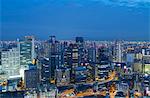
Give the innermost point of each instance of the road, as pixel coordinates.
(88, 93)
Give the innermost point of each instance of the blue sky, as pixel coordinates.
(92, 19)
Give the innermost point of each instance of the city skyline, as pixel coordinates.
(75, 48)
(93, 19)
(52, 68)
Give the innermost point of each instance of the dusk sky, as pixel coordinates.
(92, 19)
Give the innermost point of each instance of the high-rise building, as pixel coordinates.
(74, 55)
(27, 53)
(54, 55)
(117, 55)
(64, 48)
(103, 65)
(92, 62)
(71, 59)
(31, 77)
(45, 70)
(10, 61)
(92, 55)
(103, 55)
(81, 49)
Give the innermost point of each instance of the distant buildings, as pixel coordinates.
(63, 63)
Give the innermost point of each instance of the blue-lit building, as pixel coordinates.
(81, 50)
(27, 51)
(81, 74)
(45, 70)
(103, 65)
(31, 76)
(54, 55)
(92, 55)
(103, 55)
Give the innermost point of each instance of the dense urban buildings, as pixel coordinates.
(61, 68)
(74, 48)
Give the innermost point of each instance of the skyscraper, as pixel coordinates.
(10, 60)
(81, 49)
(45, 70)
(103, 55)
(26, 51)
(31, 77)
(117, 51)
(54, 55)
(92, 55)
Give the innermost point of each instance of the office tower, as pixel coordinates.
(26, 51)
(31, 77)
(117, 48)
(74, 55)
(119, 53)
(103, 55)
(63, 76)
(54, 55)
(81, 74)
(67, 56)
(10, 61)
(92, 62)
(71, 59)
(81, 49)
(130, 57)
(103, 65)
(45, 70)
(64, 47)
(92, 55)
